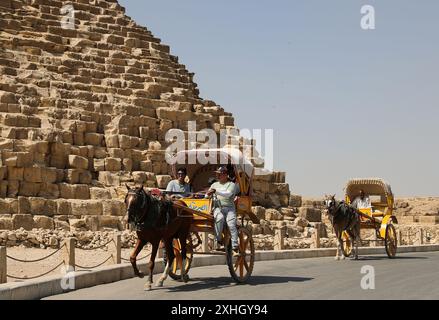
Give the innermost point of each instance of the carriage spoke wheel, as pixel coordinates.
(391, 243)
(346, 244)
(241, 267)
(176, 267)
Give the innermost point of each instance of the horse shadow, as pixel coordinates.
(225, 282)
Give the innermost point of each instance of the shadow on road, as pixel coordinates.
(374, 258)
(224, 282)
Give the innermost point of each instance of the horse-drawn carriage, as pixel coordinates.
(378, 217)
(200, 166)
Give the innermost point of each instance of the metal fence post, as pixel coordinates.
(3, 266)
(69, 254)
(117, 249)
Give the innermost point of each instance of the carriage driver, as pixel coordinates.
(225, 191)
(362, 201)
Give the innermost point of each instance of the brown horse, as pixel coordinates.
(155, 220)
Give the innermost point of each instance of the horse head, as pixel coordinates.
(330, 203)
(136, 202)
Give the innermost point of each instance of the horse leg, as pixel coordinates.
(183, 240)
(133, 257)
(170, 255)
(155, 247)
(337, 253)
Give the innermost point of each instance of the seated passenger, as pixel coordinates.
(179, 185)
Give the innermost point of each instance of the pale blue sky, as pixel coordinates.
(343, 102)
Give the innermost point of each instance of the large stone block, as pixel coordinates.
(63, 208)
(43, 222)
(259, 212)
(94, 139)
(15, 173)
(113, 164)
(310, 214)
(6, 223)
(99, 165)
(273, 214)
(77, 162)
(295, 201)
(114, 208)
(86, 208)
(24, 221)
(163, 180)
(109, 222)
(99, 194)
(29, 189)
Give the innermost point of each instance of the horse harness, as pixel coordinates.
(342, 209)
(154, 208)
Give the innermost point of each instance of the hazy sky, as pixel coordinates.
(344, 102)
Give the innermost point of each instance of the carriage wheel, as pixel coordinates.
(241, 267)
(346, 246)
(391, 242)
(175, 272)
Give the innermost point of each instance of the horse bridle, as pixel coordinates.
(139, 193)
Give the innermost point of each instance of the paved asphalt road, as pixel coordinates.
(409, 276)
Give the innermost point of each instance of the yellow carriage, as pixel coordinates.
(379, 216)
(200, 166)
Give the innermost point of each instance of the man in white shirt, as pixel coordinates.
(362, 201)
(179, 185)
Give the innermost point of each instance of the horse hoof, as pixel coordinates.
(342, 258)
(185, 279)
(337, 258)
(147, 287)
(140, 275)
(159, 284)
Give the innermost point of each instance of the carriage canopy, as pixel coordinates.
(201, 164)
(371, 187)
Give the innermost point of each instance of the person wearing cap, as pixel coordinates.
(226, 212)
(179, 185)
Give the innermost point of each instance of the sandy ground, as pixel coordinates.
(83, 258)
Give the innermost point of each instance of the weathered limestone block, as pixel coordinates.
(310, 214)
(48, 175)
(295, 201)
(77, 162)
(16, 174)
(273, 214)
(24, 221)
(139, 177)
(49, 191)
(112, 141)
(76, 191)
(6, 223)
(259, 212)
(109, 179)
(86, 208)
(63, 207)
(113, 164)
(43, 222)
(114, 208)
(127, 164)
(99, 164)
(99, 194)
(94, 139)
(5, 206)
(85, 177)
(29, 189)
(110, 222)
(72, 175)
(163, 180)
(146, 165)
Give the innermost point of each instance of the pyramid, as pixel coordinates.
(84, 109)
